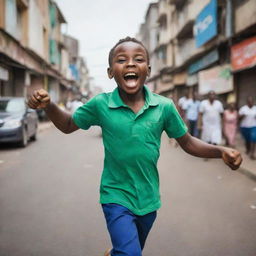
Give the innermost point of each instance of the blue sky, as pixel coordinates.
(98, 25)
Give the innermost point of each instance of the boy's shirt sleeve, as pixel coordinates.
(87, 115)
(174, 125)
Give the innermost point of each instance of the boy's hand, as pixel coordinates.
(39, 99)
(232, 158)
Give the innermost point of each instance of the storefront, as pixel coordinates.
(243, 61)
(218, 79)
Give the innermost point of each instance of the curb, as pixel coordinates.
(248, 173)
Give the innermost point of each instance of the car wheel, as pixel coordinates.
(24, 141)
(34, 136)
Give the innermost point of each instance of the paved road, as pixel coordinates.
(49, 194)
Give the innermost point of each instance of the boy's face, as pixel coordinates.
(129, 67)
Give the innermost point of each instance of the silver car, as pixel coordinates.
(18, 123)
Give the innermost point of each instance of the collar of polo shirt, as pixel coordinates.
(115, 100)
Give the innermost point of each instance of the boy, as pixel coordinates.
(132, 121)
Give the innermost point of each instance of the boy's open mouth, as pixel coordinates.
(131, 79)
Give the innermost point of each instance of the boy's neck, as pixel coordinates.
(132, 99)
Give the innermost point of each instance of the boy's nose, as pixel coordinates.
(130, 63)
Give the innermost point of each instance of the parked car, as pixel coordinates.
(18, 123)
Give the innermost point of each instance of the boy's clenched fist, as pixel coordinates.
(232, 158)
(39, 99)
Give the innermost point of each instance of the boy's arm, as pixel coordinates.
(61, 119)
(196, 147)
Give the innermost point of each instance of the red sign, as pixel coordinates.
(243, 55)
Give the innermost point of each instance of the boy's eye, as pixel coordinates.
(139, 59)
(120, 60)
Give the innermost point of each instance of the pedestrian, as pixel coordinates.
(182, 104)
(247, 115)
(210, 118)
(132, 120)
(192, 110)
(73, 105)
(230, 120)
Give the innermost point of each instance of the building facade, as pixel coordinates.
(32, 50)
(199, 46)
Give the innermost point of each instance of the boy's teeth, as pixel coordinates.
(130, 74)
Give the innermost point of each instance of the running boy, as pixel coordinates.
(132, 121)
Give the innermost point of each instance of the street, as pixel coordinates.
(49, 202)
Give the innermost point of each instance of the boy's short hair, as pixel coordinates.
(126, 39)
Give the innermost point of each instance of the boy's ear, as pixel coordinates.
(110, 73)
(149, 70)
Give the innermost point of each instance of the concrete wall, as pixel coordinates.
(152, 27)
(11, 18)
(245, 15)
(36, 25)
(184, 50)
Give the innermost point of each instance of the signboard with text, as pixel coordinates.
(218, 79)
(206, 24)
(243, 55)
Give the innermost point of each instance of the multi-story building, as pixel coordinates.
(78, 70)
(32, 50)
(205, 45)
(243, 49)
(148, 35)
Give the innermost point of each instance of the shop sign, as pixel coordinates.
(218, 79)
(243, 55)
(4, 74)
(205, 27)
(204, 62)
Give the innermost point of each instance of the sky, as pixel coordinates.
(98, 25)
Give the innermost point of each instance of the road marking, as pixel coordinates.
(1, 161)
(254, 189)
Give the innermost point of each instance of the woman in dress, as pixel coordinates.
(230, 120)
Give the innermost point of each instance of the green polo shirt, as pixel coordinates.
(131, 141)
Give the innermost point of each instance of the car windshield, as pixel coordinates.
(12, 105)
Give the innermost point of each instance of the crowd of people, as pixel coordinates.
(209, 120)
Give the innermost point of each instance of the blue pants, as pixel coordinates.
(128, 232)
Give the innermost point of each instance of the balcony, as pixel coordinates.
(164, 37)
(185, 50)
(162, 11)
(178, 3)
(242, 21)
(22, 4)
(185, 18)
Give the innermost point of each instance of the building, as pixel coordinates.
(243, 49)
(33, 54)
(78, 70)
(198, 47)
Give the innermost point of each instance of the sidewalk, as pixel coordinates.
(248, 166)
(44, 125)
